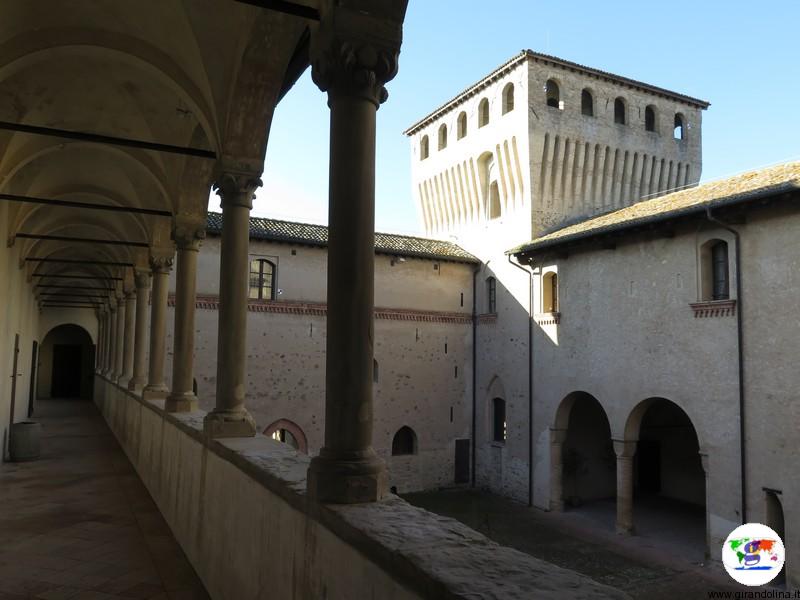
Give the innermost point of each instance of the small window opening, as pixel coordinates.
(550, 292)
(619, 111)
(491, 295)
(650, 118)
(404, 442)
(719, 262)
(442, 137)
(483, 113)
(286, 437)
(552, 94)
(424, 148)
(461, 126)
(462, 298)
(508, 98)
(587, 103)
(499, 420)
(678, 132)
(375, 371)
(451, 414)
(455, 372)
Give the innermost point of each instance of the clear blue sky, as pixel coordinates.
(742, 56)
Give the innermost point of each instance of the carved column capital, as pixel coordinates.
(237, 188)
(188, 232)
(160, 263)
(141, 278)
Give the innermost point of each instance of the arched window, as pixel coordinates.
(650, 118)
(678, 132)
(461, 127)
(483, 113)
(587, 103)
(424, 148)
(262, 279)
(508, 98)
(404, 442)
(491, 295)
(719, 269)
(550, 292)
(499, 420)
(552, 94)
(288, 432)
(442, 137)
(619, 111)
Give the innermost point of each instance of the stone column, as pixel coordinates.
(156, 387)
(139, 379)
(119, 340)
(625, 450)
(108, 365)
(230, 417)
(187, 237)
(353, 70)
(127, 344)
(557, 439)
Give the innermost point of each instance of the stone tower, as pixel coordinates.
(541, 142)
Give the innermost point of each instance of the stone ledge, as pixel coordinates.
(714, 308)
(436, 557)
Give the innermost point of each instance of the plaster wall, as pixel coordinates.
(19, 315)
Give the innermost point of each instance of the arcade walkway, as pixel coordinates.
(78, 523)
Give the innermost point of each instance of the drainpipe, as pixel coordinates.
(530, 377)
(738, 262)
(474, 372)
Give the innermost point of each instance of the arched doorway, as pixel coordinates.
(66, 363)
(668, 480)
(582, 455)
(287, 432)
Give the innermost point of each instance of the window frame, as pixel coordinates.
(261, 260)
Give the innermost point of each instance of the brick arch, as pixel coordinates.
(292, 428)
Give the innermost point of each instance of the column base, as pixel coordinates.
(337, 479)
(181, 402)
(155, 392)
(136, 385)
(123, 381)
(626, 530)
(229, 424)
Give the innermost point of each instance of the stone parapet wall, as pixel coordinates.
(239, 509)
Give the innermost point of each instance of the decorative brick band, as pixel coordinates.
(714, 308)
(321, 310)
(548, 318)
(487, 318)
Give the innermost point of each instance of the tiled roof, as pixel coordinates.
(724, 192)
(538, 56)
(317, 235)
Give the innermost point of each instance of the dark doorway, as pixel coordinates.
(32, 387)
(67, 360)
(462, 461)
(648, 465)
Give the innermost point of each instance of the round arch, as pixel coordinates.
(66, 363)
(281, 427)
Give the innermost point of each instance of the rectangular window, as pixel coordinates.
(491, 291)
(262, 279)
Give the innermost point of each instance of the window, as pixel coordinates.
(552, 94)
(587, 103)
(619, 111)
(404, 442)
(262, 279)
(285, 436)
(442, 137)
(550, 292)
(499, 420)
(508, 98)
(483, 113)
(650, 118)
(678, 132)
(424, 148)
(461, 127)
(719, 270)
(491, 295)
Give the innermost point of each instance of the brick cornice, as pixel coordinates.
(714, 308)
(319, 309)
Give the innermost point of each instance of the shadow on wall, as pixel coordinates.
(66, 364)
